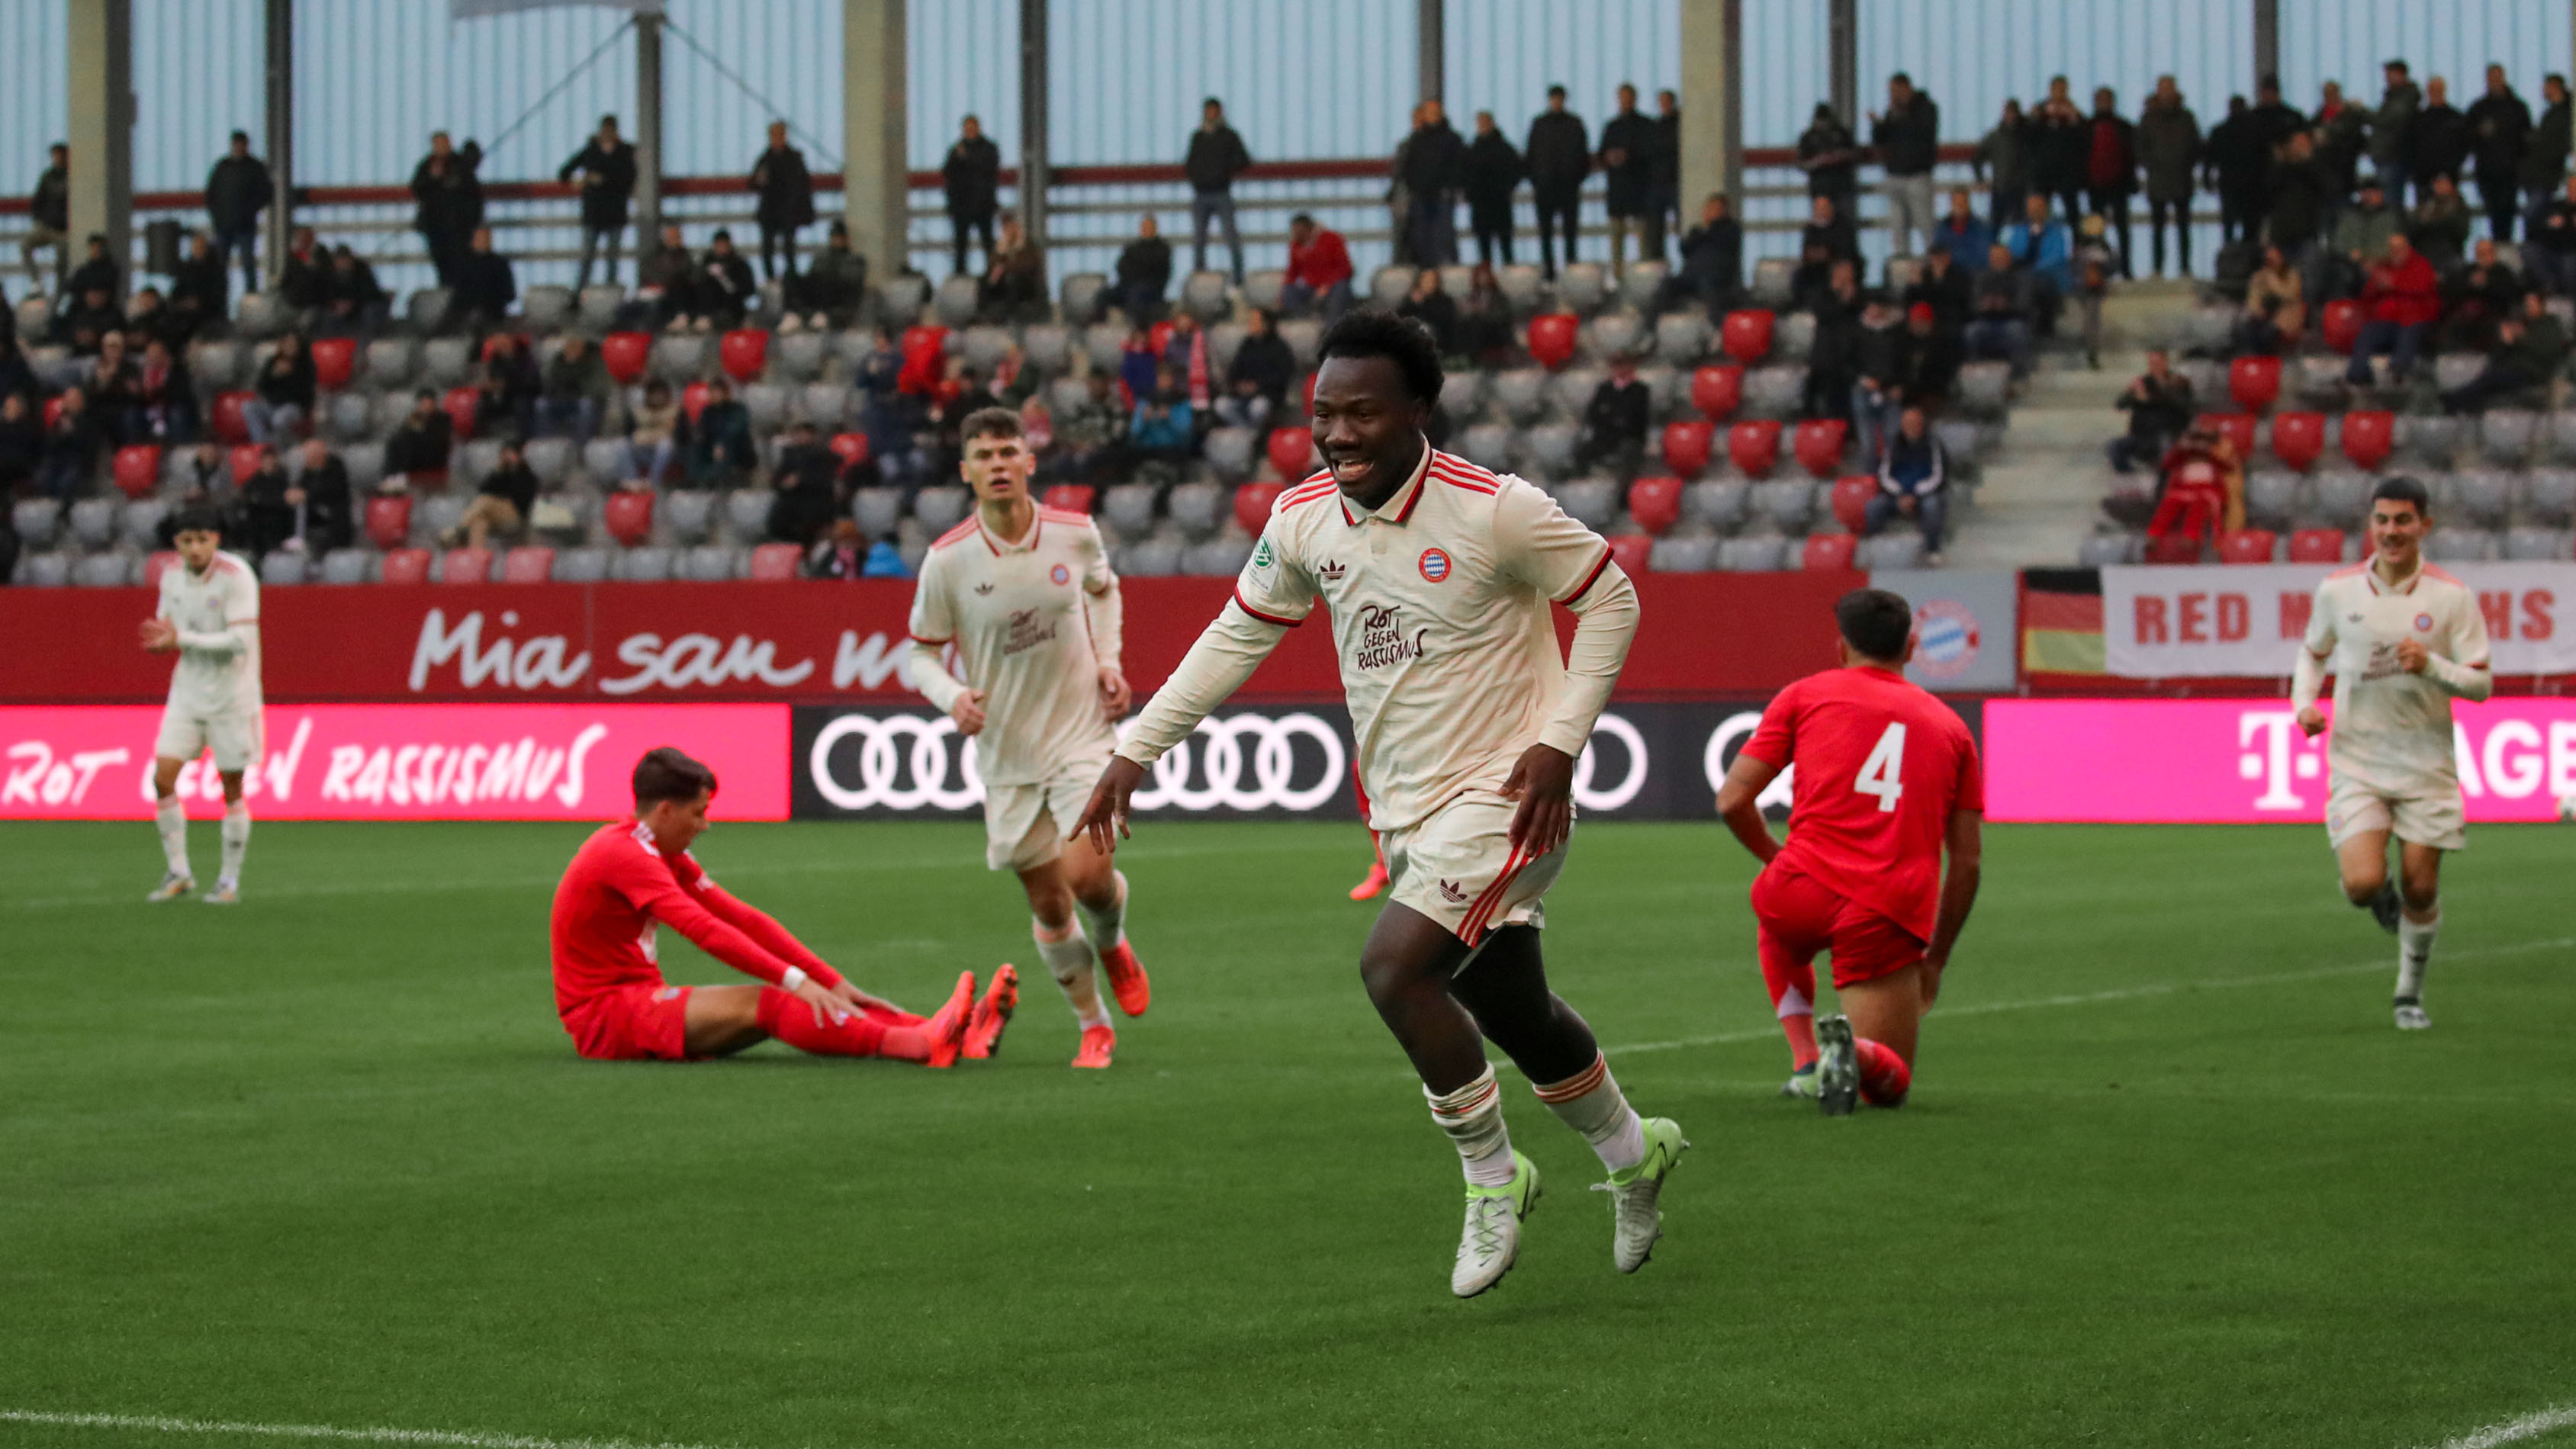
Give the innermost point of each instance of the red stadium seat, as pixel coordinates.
(693, 401)
(1687, 446)
(532, 564)
(2237, 428)
(1069, 497)
(1634, 553)
(850, 448)
(1716, 390)
(629, 515)
(744, 353)
(407, 566)
(1746, 335)
(1252, 504)
(2173, 548)
(1828, 551)
(1292, 452)
(335, 361)
(2298, 438)
(2254, 382)
(925, 359)
(2342, 324)
(157, 565)
(467, 566)
(2368, 437)
(459, 406)
(625, 353)
(1851, 500)
(1551, 339)
(138, 469)
(226, 420)
(1656, 503)
(1820, 445)
(388, 520)
(2317, 546)
(2246, 546)
(243, 460)
(1754, 447)
(776, 563)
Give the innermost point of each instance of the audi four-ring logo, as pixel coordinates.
(1233, 762)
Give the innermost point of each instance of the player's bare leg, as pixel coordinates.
(1883, 1017)
(722, 1020)
(171, 815)
(2362, 861)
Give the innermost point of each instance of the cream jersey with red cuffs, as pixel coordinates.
(217, 616)
(1440, 602)
(1034, 621)
(2392, 727)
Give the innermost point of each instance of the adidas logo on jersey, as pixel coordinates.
(1450, 890)
(1332, 571)
(983, 588)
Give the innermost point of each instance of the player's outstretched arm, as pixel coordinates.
(1228, 650)
(1739, 804)
(1967, 844)
(1104, 820)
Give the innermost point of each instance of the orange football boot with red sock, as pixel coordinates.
(1098, 1044)
(1127, 980)
(947, 1025)
(984, 1026)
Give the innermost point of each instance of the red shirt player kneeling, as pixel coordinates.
(638, 872)
(1887, 776)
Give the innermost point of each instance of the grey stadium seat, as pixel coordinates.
(2549, 496)
(2339, 499)
(1771, 279)
(1752, 555)
(1224, 339)
(349, 416)
(1642, 282)
(877, 510)
(602, 459)
(2539, 545)
(43, 571)
(596, 307)
(1611, 334)
(1128, 508)
(1588, 501)
(427, 308)
(2318, 379)
(220, 366)
(747, 512)
(260, 314)
(1571, 391)
(2562, 436)
(798, 356)
(1218, 558)
(688, 513)
(1388, 286)
(711, 563)
(2112, 548)
(2480, 497)
(1151, 558)
(1065, 394)
(35, 318)
(1721, 503)
(1231, 452)
(547, 307)
(581, 565)
(1985, 386)
(942, 508)
(1457, 279)
(1082, 296)
(680, 358)
(143, 521)
(1794, 337)
(824, 404)
(281, 569)
(1305, 339)
(2431, 439)
(1581, 287)
(436, 513)
(1788, 502)
(93, 521)
(1892, 550)
(1521, 392)
(1461, 393)
(390, 410)
(476, 459)
(1683, 555)
(444, 360)
(1487, 445)
(1773, 392)
(2272, 499)
(35, 520)
(1670, 389)
(2505, 434)
(1203, 295)
(1049, 348)
(2462, 545)
(349, 566)
(549, 458)
(900, 300)
(646, 565)
(1199, 508)
(954, 302)
(1520, 284)
(2457, 369)
(1263, 288)
(1106, 344)
(1681, 338)
(1548, 449)
(767, 404)
(985, 347)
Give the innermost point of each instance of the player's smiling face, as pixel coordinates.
(197, 548)
(1368, 427)
(997, 468)
(2397, 533)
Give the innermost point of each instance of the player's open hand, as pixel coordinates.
(856, 1000)
(968, 711)
(2412, 656)
(2312, 721)
(1115, 696)
(1543, 781)
(828, 1007)
(1108, 808)
(160, 635)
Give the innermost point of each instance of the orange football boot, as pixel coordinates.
(1097, 1044)
(1127, 979)
(1373, 884)
(948, 1024)
(984, 1026)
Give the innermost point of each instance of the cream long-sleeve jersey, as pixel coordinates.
(217, 615)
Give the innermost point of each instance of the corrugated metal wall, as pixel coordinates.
(35, 89)
(2348, 40)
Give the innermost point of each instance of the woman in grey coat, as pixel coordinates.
(2003, 160)
(2169, 150)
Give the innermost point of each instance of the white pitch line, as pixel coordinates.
(158, 1424)
(2514, 1431)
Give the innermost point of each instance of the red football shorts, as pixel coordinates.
(632, 1023)
(1799, 916)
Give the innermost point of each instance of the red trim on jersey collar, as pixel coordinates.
(2370, 571)
(1403, 499)
(1037, 525)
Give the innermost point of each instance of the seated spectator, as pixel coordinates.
(1319, 271)
(417, 453)
(1882, 356)
(722, 292)
(841, 553)
(201, 290)
(502, 505)
(831, 289)
(1826, 241)
(1162, 428)
(1484, 321)
(1962, 236)
(2358, 242)
(665, 285)
(2202, 490)
(1144, 273)
(1712, 271)
(97, 272)
(2531, 345)
(807, 488)
(1935, 357)
(1433, 307)
(1948, 288)
(2439, 224)
(2275, 314)
(22, 441)
(165, 398)
(575, 393)
(2041, 247)
(652, 438)
(2550, 254)
(16, 376)
(267, 516)
(92, 316)
(2159, 405)
(1833, 361)
(281, 398)
(356, 304)
(325, 516)
(1913, 483)
(720, 449)
(1137, 364)
(112, 387)
(2000, 326)
(1014, 286)
(502, 407)
(1615, 422)
(2404, 298)
(485, 288)
(147, 317)
(304, 283)
(891, 417)
(2479, 298)
(1256, 382)
(1089, 436)
(1185, 352)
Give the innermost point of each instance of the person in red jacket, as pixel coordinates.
(1319, 269)
(635, 875)
(2405, 300)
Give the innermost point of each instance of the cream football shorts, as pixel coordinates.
(233, 735)
(2429, 815)
(1458, 866)
(1024, 825)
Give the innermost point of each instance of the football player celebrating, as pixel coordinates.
(208, 615)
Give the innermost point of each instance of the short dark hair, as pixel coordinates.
(196, 518)
(1875, 622)
(2404, 488)
(1303, 218)
(1900, 78)
(1556, 90)
(666, 774)
(1370, 332)
(990, 423)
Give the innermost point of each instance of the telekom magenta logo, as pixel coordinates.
(2277, 754)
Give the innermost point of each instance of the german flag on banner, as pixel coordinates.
(2061, 622)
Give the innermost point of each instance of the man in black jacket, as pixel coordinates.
(237, 191)
(1615, 422)
(2159, 405)
(2437, 144)
(2499, 127)
(200, 291)
(1628, 159)
(416, 454)
(1434, 164)
(268, 518)
(2544, 156)
(1491, 173)
(606, 167)
(304, 281)
(49, 216)
(326, 516)
(1666, 201)
(724, 290)
(786, 191)
(807, 483)
(1908, 141)
(1145, 274)
(1215, 158)
(484, 285)
(1712, 262)
(1256, 381)
(2240, 163)
(449, 202)
(972, 177)
(1559, 156)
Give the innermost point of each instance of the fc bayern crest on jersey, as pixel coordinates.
(1435, 565)
(2423, 623)
(1060, 574)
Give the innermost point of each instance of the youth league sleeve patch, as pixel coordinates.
(1262, 558)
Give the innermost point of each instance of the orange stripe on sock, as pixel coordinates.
(1587, 1080)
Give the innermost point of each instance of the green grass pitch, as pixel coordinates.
(2169, 1177)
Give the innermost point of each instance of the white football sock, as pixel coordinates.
(1473, 1118)
(2414, 953)
(1591, 1103)
(1068, 958)
(1106, 927)
(172, 817)
(236, 842)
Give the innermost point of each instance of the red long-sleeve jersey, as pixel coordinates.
(620, 886)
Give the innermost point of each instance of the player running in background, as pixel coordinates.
(1026, 595)
(1887, 776)
(638, 872)
(2402, 639)
(208, 616)
(1438, 577)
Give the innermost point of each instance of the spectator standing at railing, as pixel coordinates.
(2237, 161)
(1960, 236)
(1399, 194)
(2438, 143)
(448, 199)
(2061, 149)
(1434, 166)
(49, 217)
(1830, 155)
(2342, 130)
(2003, 163)
(2544, 154)
(972, 178)
(2392, 131)
(786, 192)
(200, 291)
(2169, 151)
(1319, 270)
(1667, 198)
(1489, 175)
(484, 285)
(238, 189)
(2111, 167)
(1216, 156)
(606, 166)
(2499, 128)
(2300, 186)
(1908, 141)
(1628, 142)
(1559, 157)
(1145, 272)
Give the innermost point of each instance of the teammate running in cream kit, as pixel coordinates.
(1440, 579)
(208, 616)
(2402, 639)
(1026, 596)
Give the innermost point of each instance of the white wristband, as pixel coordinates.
(794, 978)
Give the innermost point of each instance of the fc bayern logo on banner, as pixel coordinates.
(1945, 638)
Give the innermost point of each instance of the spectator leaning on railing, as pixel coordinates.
(1628, 159)
(786, 192)
(1908, 141)
(449, 199)
(606, 166)
(1490, 173)
(238, 189)
(1216, 156)
(1830, 155)
(49, 217)
(2437, 144)
(2111, 168)
(1434, 167)
(2003, 163)
(2061, 148)
(2392, 128)
(2544, 151)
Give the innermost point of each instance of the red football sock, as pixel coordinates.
(854, 1034)
(1793, 996)
(892, 1016)
(1884, 1077)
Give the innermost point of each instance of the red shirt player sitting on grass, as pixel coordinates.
(1886, 777)
(637, 872)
